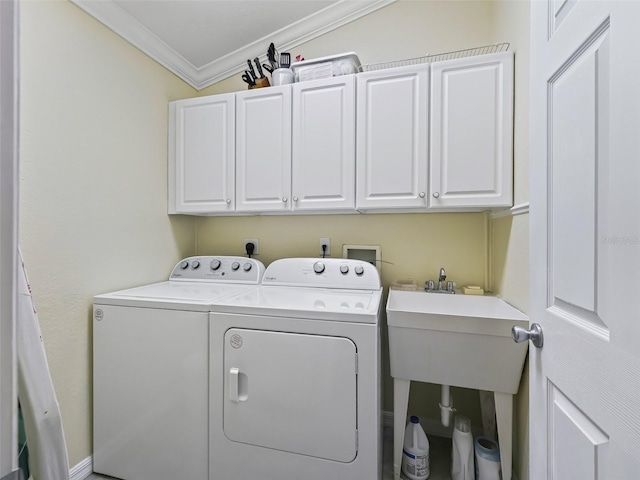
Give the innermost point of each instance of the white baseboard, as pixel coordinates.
(82, 470)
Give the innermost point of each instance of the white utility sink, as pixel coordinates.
(458, 340)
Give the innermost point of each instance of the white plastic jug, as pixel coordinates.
(487, 459)
(462, 467)
(415, 452)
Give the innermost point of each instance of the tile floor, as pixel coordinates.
(439, 454)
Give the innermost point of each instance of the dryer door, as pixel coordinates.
(291, 392)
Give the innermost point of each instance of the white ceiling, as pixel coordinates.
(205, 41)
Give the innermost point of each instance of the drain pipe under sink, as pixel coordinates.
(446, 405)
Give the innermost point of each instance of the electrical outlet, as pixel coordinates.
(327, 251)
(256, 250)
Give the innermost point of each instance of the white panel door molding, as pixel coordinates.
(9, 124)
(324, 144)
(263, 150)
(585, 240)
(471, 141)
(202, 155)
(392, 137)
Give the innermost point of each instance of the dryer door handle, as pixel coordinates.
(234, 384)
(238, 385)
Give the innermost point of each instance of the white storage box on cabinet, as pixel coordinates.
(324, 132)
(471, 132)
(263, 150)
(202, 155)
(392, 131)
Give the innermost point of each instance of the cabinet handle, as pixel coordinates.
(295, 199)
(421, 195)
(436, 194)
(284, 199)
(228, 201)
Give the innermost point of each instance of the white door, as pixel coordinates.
(263, 150)
(8, 235)
(291, 392)
(202, 155)
(471, 140)
(585, 240)
(324, 145)
(392, 131)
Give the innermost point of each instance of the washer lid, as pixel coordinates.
(174, 295)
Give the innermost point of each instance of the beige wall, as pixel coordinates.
(405, 29)
(93, 185)
(510, 235)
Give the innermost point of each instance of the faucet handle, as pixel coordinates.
(430, 285)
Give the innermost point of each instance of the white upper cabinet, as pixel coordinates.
(323, 145)
(471, 132)
(263, 150)
(417, 138)
(392, 135)
(202, 155)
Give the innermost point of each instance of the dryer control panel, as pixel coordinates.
(219, 269)
(336, 273)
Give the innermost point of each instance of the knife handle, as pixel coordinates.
(259, 67)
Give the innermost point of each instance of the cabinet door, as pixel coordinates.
(392, 138)
(471, 132)
(323, 144)
(263, 150)
(202, 155)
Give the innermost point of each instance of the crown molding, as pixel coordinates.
(310, 27)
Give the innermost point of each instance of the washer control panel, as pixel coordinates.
(337, 273)
(219, 269)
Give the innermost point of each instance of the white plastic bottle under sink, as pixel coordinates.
(462, 453)
(415, 451)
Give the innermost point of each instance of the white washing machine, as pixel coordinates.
(151, 370)
(295, 375)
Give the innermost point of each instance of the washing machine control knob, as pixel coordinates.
(359, 270)
(318, 267)
(195, 264)
(184, 264)
(246, 267)
(215, 264)
(235, 266)
(344, 269)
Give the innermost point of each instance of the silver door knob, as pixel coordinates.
(421, 194)
(520, 335)
(285, 199)
(228, 201)
(436, 194)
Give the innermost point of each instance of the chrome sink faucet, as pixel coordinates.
(442, 287)
(441, 278)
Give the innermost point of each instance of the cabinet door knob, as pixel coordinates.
(421, 195)
(295, 199)
(284, 199)
(436, 194)
(228, 201)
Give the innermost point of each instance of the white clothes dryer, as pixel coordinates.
(295, 375)
(151, 370)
